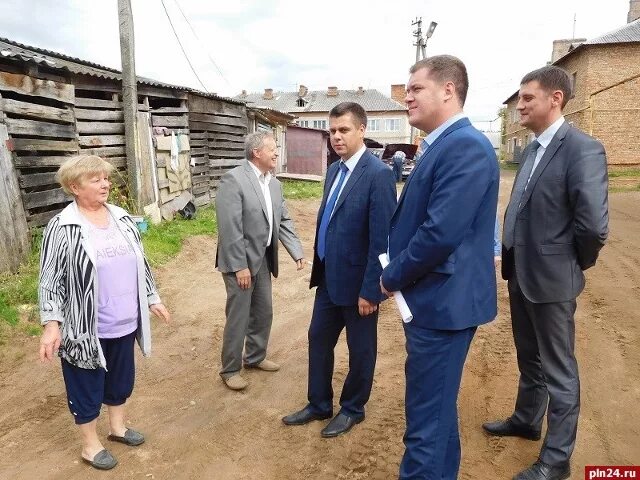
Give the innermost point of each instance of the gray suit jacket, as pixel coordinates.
(562, 220)
(243, 225)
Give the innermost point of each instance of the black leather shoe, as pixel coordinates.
(340, 424)
(507, 428)
(303, 417)
(543, 471)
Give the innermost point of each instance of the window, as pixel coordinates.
(373, 125)
(392, 125)
(301, 102)
(302, 123)
(320, 124)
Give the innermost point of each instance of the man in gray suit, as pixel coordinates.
(554, 227)
(252, 217)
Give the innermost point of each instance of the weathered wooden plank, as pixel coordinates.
(200, 189)
(37, 179)
(198, 136)
(164, 183)
(169, 121)
(224, 163)
(202, 200)
(39, 161)
(198, 151)
(216, 153)
(95, 103)
(105, 151)
(169, 110)
(147, 190)
(198, 143)
(213, 127)
(226, 145)
(20, 126)
(99, 115)
(199, 169)
(117, 161)
(40, 219)
(96, 128)
(218, 119)
(161, 92)
(198, 103)
(36, 87)
(221, 137)
(101, 140)
(35, 111)
(28, 144)
(48, 197)
(14, 234)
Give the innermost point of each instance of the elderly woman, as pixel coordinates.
(95, 290)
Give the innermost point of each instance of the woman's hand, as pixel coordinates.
(50, 341)
(160, 311)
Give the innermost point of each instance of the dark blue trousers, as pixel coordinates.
(435, 359)
(327, 321)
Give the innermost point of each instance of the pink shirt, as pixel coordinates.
(118, 305)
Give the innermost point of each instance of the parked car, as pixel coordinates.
(410, 152)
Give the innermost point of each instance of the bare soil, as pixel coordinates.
(198, 429)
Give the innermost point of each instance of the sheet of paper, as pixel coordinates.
(406, 314)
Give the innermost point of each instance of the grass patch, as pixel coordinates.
(624, 189)
(297, 189)
(19, 291)
(163, 241)
(509, 166)
(624, 172)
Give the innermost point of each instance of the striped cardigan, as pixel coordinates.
(68, 286)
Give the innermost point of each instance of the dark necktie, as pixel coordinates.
(328, 210)
(508, 231)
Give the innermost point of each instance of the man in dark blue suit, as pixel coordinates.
(352, 229)
(441, 252)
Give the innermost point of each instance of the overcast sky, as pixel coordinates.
(280, 44)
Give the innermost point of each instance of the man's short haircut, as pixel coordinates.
(551, 78)
(446, 68)
(255, 141)
(353, 108)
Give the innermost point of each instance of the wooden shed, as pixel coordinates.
(53, 106)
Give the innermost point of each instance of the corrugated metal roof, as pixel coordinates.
(319, 101)
(40, 56)
(629, 33)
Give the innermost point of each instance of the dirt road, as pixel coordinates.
(197, 429)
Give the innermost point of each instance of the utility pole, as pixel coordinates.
(129, 99)
(421, 50)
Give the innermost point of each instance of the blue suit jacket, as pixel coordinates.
(441, 237)
(357, 232)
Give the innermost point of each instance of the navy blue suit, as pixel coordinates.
(356, 234)
(441, 251)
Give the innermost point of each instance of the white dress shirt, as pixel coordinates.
(263, 181)
(351, 165)
(544, 139)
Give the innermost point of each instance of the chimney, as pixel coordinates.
(268, 94)
(398, 92)
(302, 91)
(243, 94)
(332, 92)
(562, 47)
(634, 11)
(360, 91)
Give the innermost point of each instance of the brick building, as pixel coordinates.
(388, 118)
(606, 98)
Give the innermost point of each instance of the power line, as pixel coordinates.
(201, 43)
(181, 47)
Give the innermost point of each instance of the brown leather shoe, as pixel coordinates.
(236, 382)
(266, 365)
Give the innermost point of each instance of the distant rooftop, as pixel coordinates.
(321, 100)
